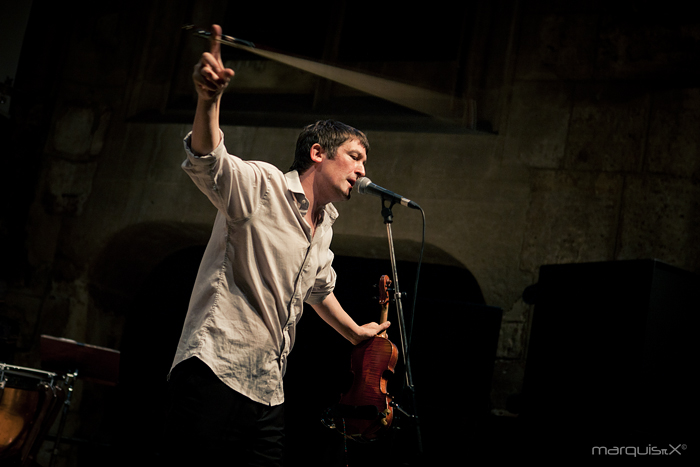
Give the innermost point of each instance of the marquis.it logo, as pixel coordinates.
(639, 451)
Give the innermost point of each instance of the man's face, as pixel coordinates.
(341, 173)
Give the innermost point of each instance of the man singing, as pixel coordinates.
(267, 255)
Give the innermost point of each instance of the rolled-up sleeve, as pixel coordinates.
(324, 285)
(234, 186)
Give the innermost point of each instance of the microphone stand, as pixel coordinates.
(388, 219)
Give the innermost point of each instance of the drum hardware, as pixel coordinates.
(66, 356)
(31, 399)
(73, 359)
(7, 370)
(29, 403)
(70, 383)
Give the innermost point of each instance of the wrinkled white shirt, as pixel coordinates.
(260, 266)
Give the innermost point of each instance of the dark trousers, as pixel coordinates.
(208, 423)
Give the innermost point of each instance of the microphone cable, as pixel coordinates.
(415, 284)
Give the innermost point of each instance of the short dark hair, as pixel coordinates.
(330, 134)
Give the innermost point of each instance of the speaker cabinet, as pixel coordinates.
(611, 355)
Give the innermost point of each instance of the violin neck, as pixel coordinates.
(383, 316)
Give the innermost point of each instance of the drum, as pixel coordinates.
(29, 402)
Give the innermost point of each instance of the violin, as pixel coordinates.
(366, 407)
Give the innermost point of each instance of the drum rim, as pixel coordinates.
(21, 371)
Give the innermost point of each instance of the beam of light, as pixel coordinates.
(435, 104)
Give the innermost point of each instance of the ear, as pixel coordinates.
(317, 153)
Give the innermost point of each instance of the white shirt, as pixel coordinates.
(261, 264)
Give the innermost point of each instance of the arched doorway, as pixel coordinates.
(145, 273)
(151, 332)
(454, 337)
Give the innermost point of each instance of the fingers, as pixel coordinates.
(210, 76)
(213, 70)
(215, 45)
(378, 329)
(214, 55)
(382, 329)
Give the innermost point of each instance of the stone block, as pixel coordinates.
(673, 146)
(573, 217)
(608, 128)
(557, 46)
(661, 220)
(538, 123)
(80, 131)
(647, 42)
(511, 341)
(68, 186)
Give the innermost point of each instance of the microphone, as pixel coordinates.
(366, 187)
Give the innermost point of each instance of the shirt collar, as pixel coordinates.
(294, 185)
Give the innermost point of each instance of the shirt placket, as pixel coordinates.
(296, 303)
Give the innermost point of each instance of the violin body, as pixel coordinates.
(372, 362)
(366, 405)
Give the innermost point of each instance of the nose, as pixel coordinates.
(360, 169)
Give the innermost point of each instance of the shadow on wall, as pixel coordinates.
(133, 254)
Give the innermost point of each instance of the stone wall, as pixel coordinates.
(593, 155)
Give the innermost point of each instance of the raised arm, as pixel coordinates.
(333, 314)
(210, 79)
